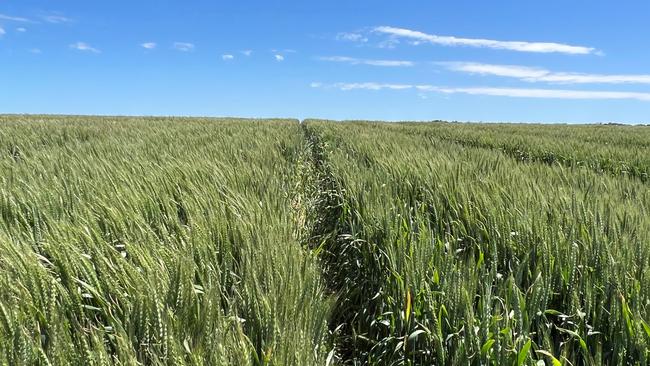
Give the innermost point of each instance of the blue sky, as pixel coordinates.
(528, 61)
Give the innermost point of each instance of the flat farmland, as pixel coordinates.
(214, 241)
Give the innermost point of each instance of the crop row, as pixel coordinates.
(268, 242)
(616, 150)
(158, 241)
(467, 255)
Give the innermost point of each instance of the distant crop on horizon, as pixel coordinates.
(227, 241)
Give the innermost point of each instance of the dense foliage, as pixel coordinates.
(163, 241)
(462, 253)
(267, 242)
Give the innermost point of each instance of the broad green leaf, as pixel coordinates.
(415, 334)
(523, 354)
(486, 347)
(555, 361)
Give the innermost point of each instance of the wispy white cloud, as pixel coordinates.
(149, 45)
(227, 57)
(56, 19)
(21, 29)
(360, 61)
(286, 50)
(247, 52)
(546, 93)
(490, 91)
(2, 32)
(278, 57)
(362, 86)
(535, 74)
(82, 46)
(183, 46)
(352, 37)
(417, 37)
(14, 19)
(35, 51)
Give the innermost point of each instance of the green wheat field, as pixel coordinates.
(205, 241)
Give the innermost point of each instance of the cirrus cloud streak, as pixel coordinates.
(493, 91)
(14, 19)
(360, 61)
(535, 74)
(418, 37)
